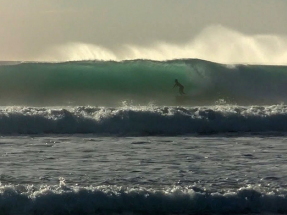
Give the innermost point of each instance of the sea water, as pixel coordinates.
(115, 138)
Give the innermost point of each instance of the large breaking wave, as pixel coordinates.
(143, 120)
(140, 82)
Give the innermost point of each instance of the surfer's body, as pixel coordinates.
(181, 87)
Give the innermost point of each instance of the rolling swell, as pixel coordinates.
(143, 120)
(108, 83)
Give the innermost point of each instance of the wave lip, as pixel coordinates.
(143, 120)
(63, 199)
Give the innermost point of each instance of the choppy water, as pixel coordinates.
(87, 174)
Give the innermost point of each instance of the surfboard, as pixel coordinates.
(182, 98)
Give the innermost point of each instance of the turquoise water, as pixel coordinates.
(140, 82)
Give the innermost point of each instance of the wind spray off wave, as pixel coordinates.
(214, 43)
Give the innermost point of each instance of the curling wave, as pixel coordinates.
(108, 83)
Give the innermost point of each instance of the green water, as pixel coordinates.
(139, 81)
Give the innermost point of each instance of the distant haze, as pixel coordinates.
(226, 31)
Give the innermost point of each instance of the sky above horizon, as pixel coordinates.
(79, 30)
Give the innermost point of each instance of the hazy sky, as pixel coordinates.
(31, 28)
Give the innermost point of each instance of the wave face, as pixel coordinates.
(76, 200)
(145, 120)
(108, 83)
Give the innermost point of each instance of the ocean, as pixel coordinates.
(116, 137)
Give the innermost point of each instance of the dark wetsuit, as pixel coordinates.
(177, 84)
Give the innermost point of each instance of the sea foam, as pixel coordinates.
(63, 199)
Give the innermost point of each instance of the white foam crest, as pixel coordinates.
(118, 200)
(140, 120)
(214, 43)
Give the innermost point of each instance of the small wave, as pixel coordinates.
(74, 200)
(143, 120)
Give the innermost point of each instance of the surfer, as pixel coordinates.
(181, 87)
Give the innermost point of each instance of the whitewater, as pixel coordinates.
(115, 137)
